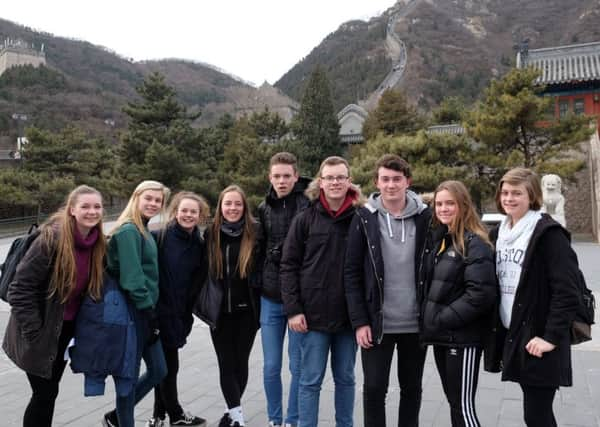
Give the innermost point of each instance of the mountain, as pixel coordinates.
(87, 85)
(453, 47)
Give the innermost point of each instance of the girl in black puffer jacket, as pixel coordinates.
(460, 291)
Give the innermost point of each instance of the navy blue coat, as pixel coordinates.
(106, 341)
(182, 268)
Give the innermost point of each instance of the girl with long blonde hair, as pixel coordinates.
(132, 259)
(62, 265)
(457, 273)
(231, 302)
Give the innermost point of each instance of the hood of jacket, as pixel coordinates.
(313, 193)
(414, 205)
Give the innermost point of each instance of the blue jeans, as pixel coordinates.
(315, 352)
(156, 370)
(273, 324)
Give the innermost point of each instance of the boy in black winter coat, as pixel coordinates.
(384, 245)
(313, 291)
(283, 201)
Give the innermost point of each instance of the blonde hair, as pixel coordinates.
(64, 274)
(215, 259)
(132, 213)
(526, 177)
(466, 218)
(179, 197)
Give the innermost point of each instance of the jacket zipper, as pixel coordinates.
(420, 281)
(379, 338)
(228, 277)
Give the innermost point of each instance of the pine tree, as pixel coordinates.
(513, 130)
(433, 159)
(159, 136)
(450, 110)
(316, 126)
(393, 116)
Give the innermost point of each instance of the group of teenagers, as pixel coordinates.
(320, 262)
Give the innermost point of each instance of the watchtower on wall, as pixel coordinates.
(18, 52)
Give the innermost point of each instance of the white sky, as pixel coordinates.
(255, 40)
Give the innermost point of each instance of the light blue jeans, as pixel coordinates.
(315, 352)
(273, 324)
(156, 370)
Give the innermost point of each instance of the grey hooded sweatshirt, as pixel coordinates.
(398, 242)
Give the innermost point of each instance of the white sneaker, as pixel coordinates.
(272, 424)
(155, 422)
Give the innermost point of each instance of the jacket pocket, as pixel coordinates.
(115, 308)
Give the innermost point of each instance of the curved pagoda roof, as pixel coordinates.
(563, 64)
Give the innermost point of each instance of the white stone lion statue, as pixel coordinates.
(554, 201)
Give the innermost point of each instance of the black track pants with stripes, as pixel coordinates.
(459, 371)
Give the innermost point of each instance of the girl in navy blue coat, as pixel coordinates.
(182, 265)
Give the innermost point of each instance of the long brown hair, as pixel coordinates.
(466, 218)
(61, 225)
(215, 259)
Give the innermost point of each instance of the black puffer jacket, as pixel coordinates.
(312, 268)
(35, 323)
(545, 304)
(276, 216)
(460, 292)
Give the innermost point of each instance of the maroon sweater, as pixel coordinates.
(83, 255)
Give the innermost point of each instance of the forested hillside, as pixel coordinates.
(453, 47)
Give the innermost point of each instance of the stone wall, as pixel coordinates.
(11, 57)
(594, 178)
(578, 199)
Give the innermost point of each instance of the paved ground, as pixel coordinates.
(499, 404)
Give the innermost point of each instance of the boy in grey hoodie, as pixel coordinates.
(380, 276)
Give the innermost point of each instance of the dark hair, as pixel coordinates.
(284, 158)
(532, 184)
(393, 162)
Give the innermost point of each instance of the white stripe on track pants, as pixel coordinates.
(459, 372)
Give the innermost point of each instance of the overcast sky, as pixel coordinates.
(255, 40)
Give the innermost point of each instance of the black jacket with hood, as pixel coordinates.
(545, 304)
(275, 215)
(364, 269)
(312, 268)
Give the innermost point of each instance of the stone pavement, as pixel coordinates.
(498, 404)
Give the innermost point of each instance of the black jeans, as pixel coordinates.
(377, 362)
(537, 406)
(233, 340)
(166, 399)
(40, 410)
(459, 372)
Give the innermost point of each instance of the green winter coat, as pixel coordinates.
(132, 258)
